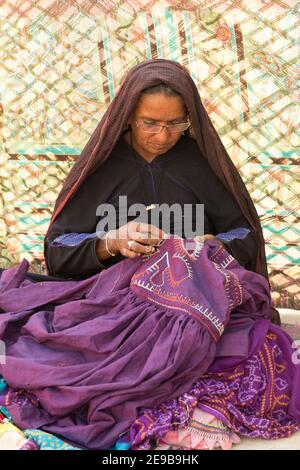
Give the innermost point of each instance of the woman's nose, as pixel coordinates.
(163, 135)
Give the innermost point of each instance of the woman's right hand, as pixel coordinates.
(142, 239)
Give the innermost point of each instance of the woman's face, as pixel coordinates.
(156, 109)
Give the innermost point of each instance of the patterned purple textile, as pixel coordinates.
(259, 397)
(94, 352)
(170, 280)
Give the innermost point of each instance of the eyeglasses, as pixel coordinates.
(157, 128)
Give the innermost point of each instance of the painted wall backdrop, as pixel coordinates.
(62, 62)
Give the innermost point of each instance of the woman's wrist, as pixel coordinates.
(101, 247)
(110, 246)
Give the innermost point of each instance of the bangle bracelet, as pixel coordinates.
(106, 246)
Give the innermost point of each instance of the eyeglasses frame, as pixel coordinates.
(167, 126)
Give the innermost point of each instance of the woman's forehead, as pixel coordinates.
(161, 107)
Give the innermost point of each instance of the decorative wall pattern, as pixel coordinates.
(62, 62)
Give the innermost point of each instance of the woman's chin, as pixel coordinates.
(160, 148)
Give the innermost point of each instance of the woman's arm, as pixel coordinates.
(76, 260)
(232, 229)
(72, 247)
(225, 218)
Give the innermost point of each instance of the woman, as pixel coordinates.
(126, 157)
(97, 349)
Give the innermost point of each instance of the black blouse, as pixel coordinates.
(181, 175)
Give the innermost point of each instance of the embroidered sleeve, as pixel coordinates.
(240, 233)
(74, 239)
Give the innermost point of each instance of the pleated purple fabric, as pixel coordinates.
(90, 354)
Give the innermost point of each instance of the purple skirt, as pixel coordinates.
(87, 356)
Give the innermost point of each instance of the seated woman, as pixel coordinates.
(142, 150)
(146, 326)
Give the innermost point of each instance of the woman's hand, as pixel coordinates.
(142, 239)
(204, 238)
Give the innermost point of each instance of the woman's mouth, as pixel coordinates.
(158, 146)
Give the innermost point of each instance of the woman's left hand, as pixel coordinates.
(204, 238)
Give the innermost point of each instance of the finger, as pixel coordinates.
(156, 232)
(151, 230)
(144, 238)
(128, 253)
(209, 236)
(204, 238)
(141, 248)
